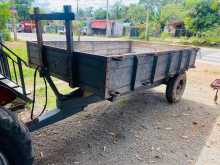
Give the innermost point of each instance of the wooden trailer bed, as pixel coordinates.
(112, 68)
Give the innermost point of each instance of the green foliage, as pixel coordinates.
(6, 35)
(203, 16)
(23, 7)
(142, 35)
(136, 13)
(189, 4)
(171, 12)
(165, 35)
(118, 11)
(5, 14)
(100, 13)
(88, 12)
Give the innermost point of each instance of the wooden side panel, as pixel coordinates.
(174, 63)
(120, 72)
(91, 72)
(162, 63)
(59, 63)
(184, 59)
(145, 66)
(193, 58)
(33, 54)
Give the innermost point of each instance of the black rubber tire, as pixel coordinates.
(174, 92)
(15, 139)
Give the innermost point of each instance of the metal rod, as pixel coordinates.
(21, 77)
(15, 73)
(4, 46)
(6, 66)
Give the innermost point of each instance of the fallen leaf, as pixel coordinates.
(186, 114)
(138, 157)
(158, 148)
(41, 154)
(195, 123)
(112, 133)
(184, 137)
(104, 148)
(157, 156)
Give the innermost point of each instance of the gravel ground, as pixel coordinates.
(139, 129)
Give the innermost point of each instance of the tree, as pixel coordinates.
(136, 13)
(88, 12)
(5, 14)
(155, 5)
(81, 13)
(100, 13)
(203, 16)
(23, 7)
(171, 12)
(118, 11)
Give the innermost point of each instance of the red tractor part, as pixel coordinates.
(216, 86)
(6, 95)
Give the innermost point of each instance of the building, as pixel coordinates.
(175, 28)
(98, 27)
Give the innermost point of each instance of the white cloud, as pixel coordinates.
(57, 5)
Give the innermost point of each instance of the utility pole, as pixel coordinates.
(147, 26)
(14, 29)
(107, 19)
(77, 17)
(77, 7)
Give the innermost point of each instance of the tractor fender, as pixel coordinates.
(6, 95)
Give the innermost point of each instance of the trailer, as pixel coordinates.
(96, 70)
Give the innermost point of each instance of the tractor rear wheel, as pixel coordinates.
(15, 140)
(175, 88)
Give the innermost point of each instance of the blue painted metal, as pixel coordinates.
(11, 71)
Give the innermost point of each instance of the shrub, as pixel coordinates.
(198, 41)
(142, 35)
(165, 35)
(6, 35)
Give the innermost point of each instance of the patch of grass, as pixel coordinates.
(20, 49)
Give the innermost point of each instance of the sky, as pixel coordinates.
(57, 5)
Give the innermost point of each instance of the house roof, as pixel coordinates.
(99, 24)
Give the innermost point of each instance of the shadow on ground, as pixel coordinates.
(140, 129)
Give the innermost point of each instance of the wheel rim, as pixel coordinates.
(3, 159)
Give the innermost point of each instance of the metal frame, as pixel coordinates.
(69, 104)
(11, 68)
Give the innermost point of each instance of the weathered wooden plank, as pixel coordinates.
(53, 16)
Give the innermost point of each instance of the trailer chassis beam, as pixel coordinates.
(65, 109)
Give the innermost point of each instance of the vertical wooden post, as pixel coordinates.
(69, 46)
(147, 26)
(38, 26)
(39, 35)
(69, 30)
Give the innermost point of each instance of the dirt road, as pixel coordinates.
(140, 129)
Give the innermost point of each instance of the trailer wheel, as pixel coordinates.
(15, 140)
(175, 88)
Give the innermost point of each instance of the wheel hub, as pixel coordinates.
(3, 159)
